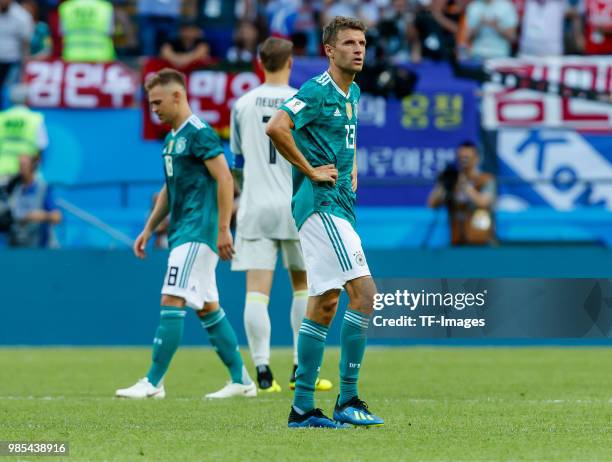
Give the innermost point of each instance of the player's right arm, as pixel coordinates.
(279, 130)
(159, 212)
(219, 170)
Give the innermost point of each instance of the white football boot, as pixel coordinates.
(234, 389)
(142, 389)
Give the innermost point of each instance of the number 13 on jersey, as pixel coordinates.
(350, 136)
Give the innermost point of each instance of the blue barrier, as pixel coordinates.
(392, 227)
(96, 297)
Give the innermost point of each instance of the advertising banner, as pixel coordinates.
(562, 169)
(211, 92)
(56, 84)
(571, 92)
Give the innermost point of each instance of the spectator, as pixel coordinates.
(125, 38)
(542, 27)
(390, 38)
(40, 45)
(297, 21)
(6, 218)
(300, 44)
(333, 8)
(219, 19)
(189, 48)
(369, 13)
(16, 30)
(491, 28)
(32, 208)
(304, 27)
(87, 31)
(22, 132)
(53, 20)
(598, 30)
(469, 196)
(282, 15)
(157, 20)
(245, 44)
(437, 25)
(254, 11)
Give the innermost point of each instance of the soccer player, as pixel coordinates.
(198, 195)
(316, 132)
(264, 222)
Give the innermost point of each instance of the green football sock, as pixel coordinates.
(311, 344)
(166, 341)
(353, 336)
(223, 339)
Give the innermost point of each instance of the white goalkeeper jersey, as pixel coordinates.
(265, 202)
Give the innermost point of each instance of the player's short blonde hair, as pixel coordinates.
(274, 53)
(330, 33)
(164, 77)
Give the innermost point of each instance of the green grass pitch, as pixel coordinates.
(440, 404)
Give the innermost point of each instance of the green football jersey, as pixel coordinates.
(325, 131)
(192, 191)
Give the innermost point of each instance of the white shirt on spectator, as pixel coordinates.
(542, 28)
(341, 8)
(488, 43)
(16, 27)
(370, 12)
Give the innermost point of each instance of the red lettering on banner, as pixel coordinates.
(211, 94)
(208, 84)
(568, 114)
(44, 83)
(522, 108)
(588, 72)
(79, 85)
(509, 103)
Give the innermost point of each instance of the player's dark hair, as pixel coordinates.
(468, 144)
(330, 33)
(164, 77)
(274, 53)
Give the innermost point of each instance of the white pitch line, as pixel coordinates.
(272, 400)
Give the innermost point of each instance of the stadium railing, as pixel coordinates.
(111, 213)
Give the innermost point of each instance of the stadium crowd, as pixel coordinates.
(182, 31)
(187, 32)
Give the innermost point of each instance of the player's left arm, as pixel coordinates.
(207, 147)
(219, 170)
(354, 171)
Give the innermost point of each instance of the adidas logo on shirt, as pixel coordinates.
(337, 113)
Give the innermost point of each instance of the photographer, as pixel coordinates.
(33, 212)
(469, 196)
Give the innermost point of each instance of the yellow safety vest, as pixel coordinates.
(18, 136)
(86, 26)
